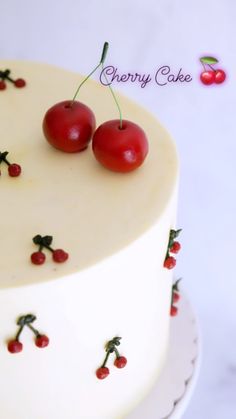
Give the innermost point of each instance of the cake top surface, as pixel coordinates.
(90, 211)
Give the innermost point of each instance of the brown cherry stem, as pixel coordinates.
(35, 331)
(19, 332)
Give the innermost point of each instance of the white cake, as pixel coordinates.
(115, 228)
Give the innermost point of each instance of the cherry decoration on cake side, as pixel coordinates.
(175, 297)
(14, 169)
(120, 361)
(119, 145)
(38, 258)
(41, 340)
(5, 76)
(69, 125)
(173, 247)
(211, 75)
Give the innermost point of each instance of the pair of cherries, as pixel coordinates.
(119, 145)
(173, 247)
(211, 75)
(41, 341)
(5, 76)
(38, 258)
(175, 297)
(14, 169)
(120, 361)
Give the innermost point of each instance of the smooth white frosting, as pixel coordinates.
(115, 228)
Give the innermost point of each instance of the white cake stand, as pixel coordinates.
(172, 392)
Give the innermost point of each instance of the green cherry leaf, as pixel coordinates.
(208, 60)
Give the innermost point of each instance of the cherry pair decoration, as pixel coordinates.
(119, 145)
(173, 247)
(120, 361)
(41, 341)
(175, 297)
(5, 76)
(38, 258)
(211, 75)
(14, 169)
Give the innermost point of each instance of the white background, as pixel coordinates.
(143, 36)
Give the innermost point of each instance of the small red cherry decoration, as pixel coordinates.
(175, 248)
(2, 85)
(173, 311)
(170, 262)
(5, 75)
(120, 149)
(42, 341)
(102, 373)
(14, 346)
(176, 297)
(14, 170)
(19, 83)
(120, 362)
(220, 76)
(207, 77)
(38, 258)
(59, 255)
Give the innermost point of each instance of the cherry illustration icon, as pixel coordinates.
(211, 75)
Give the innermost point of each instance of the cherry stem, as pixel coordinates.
(102, 59)
(3, 157)
(114, 97)
(106, 359)
(5, 75)
(35, 331)
(212, 68)
(41, 246)
(117, 353)
(19, 332)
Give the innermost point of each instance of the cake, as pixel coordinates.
(115, 228)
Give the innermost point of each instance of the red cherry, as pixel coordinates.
(175, 248)
(38, 258)
(102, 373)
(176, 297)
(59, 256)
(20, 83)
(207, 77)
(41, 341)
(120, 150)
(69, 126)
(2, 85)
(173, 311)
(14, 170)
(170, 262)
(220, 76)
(14, 346)
(120, 362)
